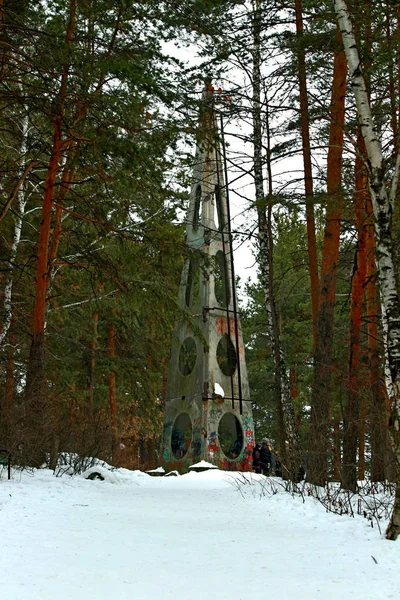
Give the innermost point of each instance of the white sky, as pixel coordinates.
(242, 217)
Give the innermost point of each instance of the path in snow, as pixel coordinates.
(191, 537)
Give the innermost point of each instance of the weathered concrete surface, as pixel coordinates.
(204, 350)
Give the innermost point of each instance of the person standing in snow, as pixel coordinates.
(265, 457)
(257, 458)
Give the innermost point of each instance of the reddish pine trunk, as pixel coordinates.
(320, 408)
(48, 196)
(37, 434)
(44, 234)
(352, 409)
(377, 413)
(308, 179)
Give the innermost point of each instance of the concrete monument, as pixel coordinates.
(208, 415)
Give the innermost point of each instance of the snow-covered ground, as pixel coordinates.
(194, 536)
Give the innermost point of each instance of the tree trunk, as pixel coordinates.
(320, 406)
(391, 67)
(352, 409)
(93, 362)
(289, 442)
(361, 438)
(37, 437)
(21, 203)
(377, 409)
(398, 95)
(7, 407)
(112, 388)
(294, 393)
(308, 178)
(55, 448)
(336, 448)
(382, 203)
(65, 186)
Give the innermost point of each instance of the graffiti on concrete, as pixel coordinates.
(213, 445)
(196, 447)
(248, 422)
(167, 428)
(248, 426)
(216, 414)
(197, 440)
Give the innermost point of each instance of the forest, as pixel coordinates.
(99, 110)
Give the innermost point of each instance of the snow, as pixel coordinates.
(103, 472)
(195, 536)
(203, 464)
(218, 390)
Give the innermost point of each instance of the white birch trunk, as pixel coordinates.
(382, 204)
(21, 203)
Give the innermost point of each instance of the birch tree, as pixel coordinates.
(383, 187)
(21, 203)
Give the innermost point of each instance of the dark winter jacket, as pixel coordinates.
(265, 457)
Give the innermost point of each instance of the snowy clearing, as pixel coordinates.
(139, 537)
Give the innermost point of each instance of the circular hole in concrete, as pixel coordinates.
(221, 287)
(218, 212)
(226, 356)
(230, 435)
(181, 436)
(192, 283)
(187, 356)
(197, 208)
